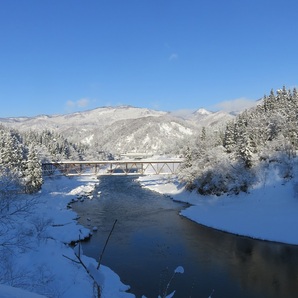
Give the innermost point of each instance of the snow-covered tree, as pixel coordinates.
(229, 137)
(10, 187)
(263, 134)
(12, 152)
(33, 172)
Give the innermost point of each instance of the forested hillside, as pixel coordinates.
(227, 158)
(21, 155)
(238, 157)
(122, 129)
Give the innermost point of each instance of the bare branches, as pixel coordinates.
(80, 262)
(104, 248)
(91, 270)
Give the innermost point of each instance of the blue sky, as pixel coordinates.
(60, 56)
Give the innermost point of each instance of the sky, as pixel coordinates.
(62, 56)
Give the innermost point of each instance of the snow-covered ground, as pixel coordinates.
(40, 261)
(267, 212)
(42, 264)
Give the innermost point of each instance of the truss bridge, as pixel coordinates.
(112, 167)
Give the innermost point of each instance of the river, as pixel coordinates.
(151, 240)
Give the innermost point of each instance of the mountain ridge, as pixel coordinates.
(123, 128)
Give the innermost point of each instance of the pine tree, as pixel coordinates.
(11, 152)
(33, 173)
(187, 158)
(203, 134)
(229, 137)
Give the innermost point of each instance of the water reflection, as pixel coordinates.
(150, 240)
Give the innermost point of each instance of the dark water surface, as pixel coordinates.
(150, 240)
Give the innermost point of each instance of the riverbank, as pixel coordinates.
(37, 262)
(150, 240)
(39, 258)
(267, 212)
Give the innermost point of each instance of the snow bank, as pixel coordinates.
(268, 212)
(44, 263)
(12, 292)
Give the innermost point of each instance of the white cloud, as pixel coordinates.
(84, 102)
(70, 104)
(173, 56)
(81, 103)
(235, 105)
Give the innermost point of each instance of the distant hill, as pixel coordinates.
(124, 129)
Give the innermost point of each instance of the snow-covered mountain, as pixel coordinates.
(202, 117)
(97, 117)
(206, 118)
(124, 128)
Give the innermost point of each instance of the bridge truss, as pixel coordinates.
(112, 167)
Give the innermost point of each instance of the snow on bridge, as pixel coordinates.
(112, 167)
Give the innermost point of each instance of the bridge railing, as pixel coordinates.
(112, 167)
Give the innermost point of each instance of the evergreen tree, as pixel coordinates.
(187, 158)
(203, 134)
(267, 132)
(229, 137)
(33, 172)
(11, 152)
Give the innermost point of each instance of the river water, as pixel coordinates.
(151, 240)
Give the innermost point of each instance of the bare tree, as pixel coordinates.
(12, 204)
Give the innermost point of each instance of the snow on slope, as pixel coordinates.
(96, 117)
(202, 117)
(207, 119)
(215, 119)
(124, 129)
(12, 292)
(150, 134)
(267, 212)
(44, 265)
(203, 112)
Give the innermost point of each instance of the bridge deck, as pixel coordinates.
(112, 167)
